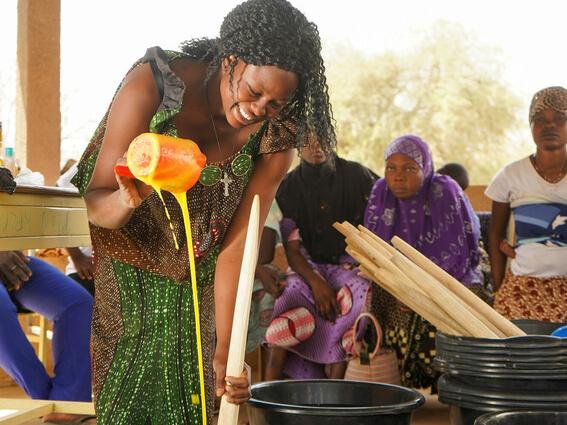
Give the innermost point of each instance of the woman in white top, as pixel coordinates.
(534, 189)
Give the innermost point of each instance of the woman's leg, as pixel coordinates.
(17, 356)
(337, 370)
(275, 363)
(62, 301)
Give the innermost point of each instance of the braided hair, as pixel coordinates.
(273, 32)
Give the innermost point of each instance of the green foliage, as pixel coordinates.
(449, 90)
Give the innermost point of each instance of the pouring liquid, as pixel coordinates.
(181, 198)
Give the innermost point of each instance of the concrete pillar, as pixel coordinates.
(38, 115)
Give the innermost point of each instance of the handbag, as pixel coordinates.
(381, 365)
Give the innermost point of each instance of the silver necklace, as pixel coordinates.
(556, 179)
(212, 174)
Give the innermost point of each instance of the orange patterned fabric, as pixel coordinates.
(526, 297)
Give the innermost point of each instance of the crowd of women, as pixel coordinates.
(250, 98)
(431, 212)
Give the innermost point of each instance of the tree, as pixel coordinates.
(448, 90)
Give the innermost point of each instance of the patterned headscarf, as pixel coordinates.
(550, 98)
(414, 148)
(438, 220)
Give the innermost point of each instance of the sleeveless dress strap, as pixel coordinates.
(158, 78)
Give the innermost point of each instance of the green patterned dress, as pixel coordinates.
(145, 354)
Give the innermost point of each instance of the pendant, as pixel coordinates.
(226, 180)
(241, 164)
(210, 175)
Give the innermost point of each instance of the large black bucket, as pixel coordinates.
(523, 418)
(331, 402)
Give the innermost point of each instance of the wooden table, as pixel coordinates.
(19, 412)
(42, 217)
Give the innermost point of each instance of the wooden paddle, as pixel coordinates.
(485, 312)
(405, 290)
(228, 414)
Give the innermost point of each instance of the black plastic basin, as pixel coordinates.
(462, 389)
(526, 385)
(331, 402)
(453, 353)
(518, 345)
(523, 418)
(537, 327)
(555, 371)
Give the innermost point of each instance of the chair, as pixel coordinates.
(36, 333)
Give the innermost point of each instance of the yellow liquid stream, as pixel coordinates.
(182, 200)
(158, 191)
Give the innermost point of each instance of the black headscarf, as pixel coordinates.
(316, 196)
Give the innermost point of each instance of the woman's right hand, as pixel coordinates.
(84, 264)
(325, 299)
(132, 191)
(14, 270)
(271, 279)
(507, 249)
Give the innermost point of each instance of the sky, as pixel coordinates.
(101, 39)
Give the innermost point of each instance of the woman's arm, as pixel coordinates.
(269, 171)
(84, 264)
(268, 275)
(111, 200)
(267, 246)
(497, 232)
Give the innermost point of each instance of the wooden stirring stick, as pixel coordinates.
(228, 414)
(483, 309)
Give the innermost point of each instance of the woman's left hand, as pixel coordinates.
(237, 389)
(325, 298)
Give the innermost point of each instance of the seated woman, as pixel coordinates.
(37, 286)
(535, 190)
(323, 294)
(268, 280)
(430, 212)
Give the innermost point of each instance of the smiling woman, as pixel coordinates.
(246, 99)
(257, 93)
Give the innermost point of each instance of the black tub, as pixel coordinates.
(455, 354)
(527, 385)
(523, 418)
(529, 345)
(461, 393)
(331, 402)
(508, 370)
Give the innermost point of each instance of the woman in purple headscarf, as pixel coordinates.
(430, 212)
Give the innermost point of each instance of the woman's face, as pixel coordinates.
(404, 176)
(255, 93)
(313, 153)
(549, 129)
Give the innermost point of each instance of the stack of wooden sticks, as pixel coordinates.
(423, 286)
